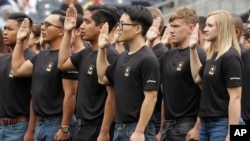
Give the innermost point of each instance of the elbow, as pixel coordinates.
(100, 81)
(61, 67)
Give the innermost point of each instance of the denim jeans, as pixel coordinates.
(213, 130)
(176, 130)
(13, 132)
(46, 129)
(123, 132)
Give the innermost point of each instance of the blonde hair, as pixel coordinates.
(188, 14)
(226, 36)
(155, 12)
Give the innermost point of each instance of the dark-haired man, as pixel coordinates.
(53, 91)
(135, 76)
(94, 110)
(15, 91)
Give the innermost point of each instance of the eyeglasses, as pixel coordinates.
(48, 24)
(120, 25)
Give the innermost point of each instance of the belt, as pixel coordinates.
(81, 122)
(11, 121)
(41, 118)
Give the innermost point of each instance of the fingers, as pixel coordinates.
(157, 22)
(105, 28)
(71, 11)
(25, 23)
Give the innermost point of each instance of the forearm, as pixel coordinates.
(18, 57)
(68, 109)
(65, 50)
(149, 43)
(109, 110)
(32, 120)
(162, 118)
(69, 101)
(197, 123)
(234, 111)
(146, 111)
(102, 65)
(195, 64)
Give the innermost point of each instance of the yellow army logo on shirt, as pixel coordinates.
(127, 70)
(11, 74)
(91, 69)
(50, 66)
(212, 70)
(179, 67)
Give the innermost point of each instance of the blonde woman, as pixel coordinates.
(221, 77)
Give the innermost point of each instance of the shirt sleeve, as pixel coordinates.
(76, 58)
(150, 74)
(232, 66)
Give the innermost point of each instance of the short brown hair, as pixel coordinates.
(188, 14)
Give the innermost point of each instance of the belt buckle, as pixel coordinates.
(79, 122)
(4, 121)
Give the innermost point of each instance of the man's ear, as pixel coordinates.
(238, 32)
(77, 31)
(138, 28)
(191, 28)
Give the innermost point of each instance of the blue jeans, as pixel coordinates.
(214, 130)
(46, 129)
(123, 132)
(13, 132)
(176, 130)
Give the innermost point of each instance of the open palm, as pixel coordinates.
(194, 37)
(24, 30)
(70, 19)
(103, 39)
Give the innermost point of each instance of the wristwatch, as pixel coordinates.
(65, 129)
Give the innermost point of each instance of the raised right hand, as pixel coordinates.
(70, 19)
(24, 30)
(194, 39)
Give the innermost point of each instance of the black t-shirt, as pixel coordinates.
(218, 75)
(14, 91)
(245, 98)
(47, 89)
(131, 75)
(91, 95)
(180, 94)
(159, 50)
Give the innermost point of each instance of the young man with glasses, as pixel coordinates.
(135, 76)
(53, 91)
(94, 107)
(15, 93)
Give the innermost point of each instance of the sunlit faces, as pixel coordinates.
(126, 28)
(51, 32)
(9, 33)
(89, 30)
(179, 31)
(210, 29)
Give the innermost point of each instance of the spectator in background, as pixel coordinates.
(3, 49)
(91, 2)
(28, 6)
(202, 24)
(66, 4)
(246, 42)
(238, 23)
(34, 39)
